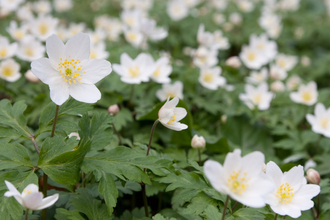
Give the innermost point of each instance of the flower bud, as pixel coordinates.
(113, 109)
(313, 176)
(31, 77)
(224, 119)
(198, 142)
(277, 86)
(74, 134)
(233, 62)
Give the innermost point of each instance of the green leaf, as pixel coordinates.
(212, 212)
(221, 146)
(84, 202)
(9, 133)
(14, 155)
(247, 214)
(60, 160)
(160, 217)
(186, 180)
(198, 204)
(10, 209)
(107, 188)
(63, 214)
(12, 116)
(122, 118)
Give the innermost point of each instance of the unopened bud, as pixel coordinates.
(233, 62)
(224, 119)
(277, 86)
(74, 134)
(31, 77)
(313, 176)
(113, 109)
(198, 142)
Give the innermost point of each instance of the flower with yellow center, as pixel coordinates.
(30, 198)
(69, 71)
(287, 62)
(306, 94)
(170, 90)
(30, 49)
(9, 70)
(43, 26)
(163, 70)
(240, 178)
(210, 78)
(258, 96)
(291, 194)
(252, 57)
(320, 122)
(7, 50)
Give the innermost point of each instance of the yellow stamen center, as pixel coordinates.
(306, 96)
(70, 70)
(208, 77)
(29, 52)
(251, 56)
(324, 122)
(134, 71)
(284, 193)
(173, 118)
(7, 71)
(18, 34)
(131, 36)
(237, 182)
(156, 73)
(26, 192)
(257, 99)
(93, 55)
(43, 28)
(261, 46)
(3, 52)
(282, 63)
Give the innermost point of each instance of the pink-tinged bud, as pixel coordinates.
(198, 142)
(31, 77)
(113, 109)
(313, 176)
(233, 62)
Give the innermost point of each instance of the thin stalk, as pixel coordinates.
(151, 134)
(117, 133)
(35, 144)
(199, 157)
(130, 96)
(275, 216)
(225, 208)
(145, 201)
(26, 214)
(45, 178)
(318, 206)
(234, 206)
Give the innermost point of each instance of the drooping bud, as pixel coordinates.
(198, 142)
(313, 176)
(113, 109)
(31, 77)
(233, 62)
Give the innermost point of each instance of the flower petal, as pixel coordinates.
(294, 177)
(59, 91)
(32, 200)
(85, 92)
(172, 103)
(252, 163)
(12, 189)
(96, 69)
(55, 50)
(274, 173)
(44, 70)
(214, 173)
(49, 201)
(78, 47)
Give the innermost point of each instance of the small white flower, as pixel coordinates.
(252, 58)
(170, 90)
(148, 29)
(131, 18)
(8, 6)
(320, 122)
(170, 115)
(240, 178)
(218, 18)
(287, 62)
(245, 5)
(264, 46)
(235, 18)
(177, 9)
(210, 78)
(292, 194)
(18, 33)
(98, 51)
(257, 77)
(42, 7)
(220, 42)
(30, 198)
(204, 37)
(198, 142)
(43, 26)
(133, 37)
(219, 4)
(135, 71)
(24, 13)
(63, 5)
(276, 72)
(9, 70)
(6, 49)
(257, 96)
(306, 94)
(75, 28)
(163, 70)
(205, 57)
(68, 71)
(293, 82)
(30, 49)
(277, 86)
(305, 61)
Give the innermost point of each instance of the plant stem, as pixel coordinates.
(318, 207)
(199, 157)
(117, 133)
(224, 208)
(275, 217)
(131, 95)
(45, 178)
(152, 132)
(145, 201)
(35, 144)
(26, 214)
(234, 206)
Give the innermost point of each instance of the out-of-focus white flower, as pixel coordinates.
(97, 36)
(215, 41)
(62, 32)
(198, 142)
(163, 70)
(30, 198)
(309, 163)
(170, 115)
(299, 32)
(9, 70)
(271, 23)
(276, 72)
(252, 58)
(42, 7)
(306, 94)
(191, 3)
(43, 26)
(31, 77)
(292, 194)
(258, 97)
(113, 109)
(98, 51)
(218, 18)
(320, 122)
(143, 5)
(210, 78)
(24, 13)
(63, 5)
(227, 26)
(6, 49)
(148, 29)
(289, 5)
(235, 18)
(220, 42)
(131, 18)
(313, 176)
(219, 4)
(75, 28)
(257, 77)
(274, 32)
(277, 86)
(170, 90)
(240, 178)
(177, 9)
(203, 37)
(234, 62)
(68, 71)
(305, 61)
(135, 71)
(7, 6)
(134, 37)
(287, 62)
(30, 49)
(266, 47)
(205, 57)
(245, 5)
(18, 33)
(293, 82)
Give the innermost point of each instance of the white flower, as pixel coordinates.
(148, 29)
(205, 57)
(170, 90)
(305, 61)
(24, 13)
(198, 142)
(30, 49)
(252, 58)
(68, 71)
(220, 42)
(97, 36)
(287, 62)
(42, 7)
(277, 86)
(293, 82)
(257, 96)
(18, 33)
(203, 37)
(135, 71)
(245, 5)
(170, 115)
(177, 9)
(163, 70)
(131, 18)
(8, 6)
(134, 37)
(218, 18)
(235, 18)
(257, 77)
(75, 28)
(9, 70)
(219, 4)
(62, 5)
(320, 122)
(233, 62)
(6, 49)
(264, 46)
(43, 27)
(291, 195)
(277, 73)
(98, 51)
(210, 78)
(30, 198)
(240, 178)
(306, 94)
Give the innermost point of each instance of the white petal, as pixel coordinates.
(319, 109)
(274, 173)
(78, 46)
(55, 50)
(232, 163)
(294, 177)
(214, 173)
(171, 104)
(291, 210)
(278, 209)
(46, 202)
(311, 119)
(85, 92)
(307, 191)
(252, 163)
(12, 189)
(180, 113)
(295, 97)
(177, 126)
(125, 60)
(30, 188)
(59, 91)
(44, 71)
(118, 69)
(32, 200)
(96, 69)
